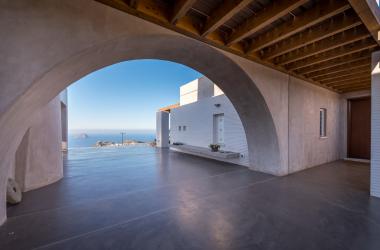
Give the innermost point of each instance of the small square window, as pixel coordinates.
(184, 128)
(322, 122)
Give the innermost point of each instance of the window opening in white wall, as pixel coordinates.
(184, 128)
(322, 122)
(179, 128)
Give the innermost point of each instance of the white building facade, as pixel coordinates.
(206, 116)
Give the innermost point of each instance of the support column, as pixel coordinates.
(38, 160)
(64, 126)
(162, 129)
(64, 120)
(375, 125)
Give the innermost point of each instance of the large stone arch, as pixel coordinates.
(256, 118)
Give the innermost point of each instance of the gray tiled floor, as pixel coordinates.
(149, 199)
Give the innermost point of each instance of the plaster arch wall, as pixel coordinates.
(73, 38)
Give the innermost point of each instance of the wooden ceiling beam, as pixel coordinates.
(363, 86)
(328, 28)
(358, 84)
(351, 83)
(347, 37)
(324, 10)
(132, 3)
(160, 14)
(346, 89)
(222, 14)
(268, 15)
(336, 69)
(332, 54)
(356, 87)
(353, 90)
(369, 13)
(347, 81)
(335, 62)
(347, 72)
(365, 74)
(181, 7)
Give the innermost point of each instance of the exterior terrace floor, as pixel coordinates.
(145, 198)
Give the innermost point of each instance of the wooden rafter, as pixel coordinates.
(222, 14)
(365, 62)
(363, 75)
(347, 72)
(318, 45)
(132, 3)
(369, 12)
(332, 54)
(326, 29)
(334, 63)
(265, 17)
(356, 87)
(350, 83)
(323, 11)
(181, 7)
(361, 78)
(324, 45)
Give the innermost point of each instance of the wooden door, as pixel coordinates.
(359, 128)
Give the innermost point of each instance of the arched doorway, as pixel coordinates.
(235, 83)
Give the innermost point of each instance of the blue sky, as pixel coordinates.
(126, 95)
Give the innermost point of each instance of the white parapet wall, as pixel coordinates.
(162, 129)
(375, 126)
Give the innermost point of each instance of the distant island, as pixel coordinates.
(125, 143)
(81, 136)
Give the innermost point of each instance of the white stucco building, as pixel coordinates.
(206, 116)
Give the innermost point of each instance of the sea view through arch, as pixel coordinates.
(89, 138)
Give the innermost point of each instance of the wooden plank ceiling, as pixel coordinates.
(321, 41)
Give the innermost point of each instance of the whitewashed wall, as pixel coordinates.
(198, 119)
(375, 125)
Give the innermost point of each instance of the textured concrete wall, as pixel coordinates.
(274, 87)
(306, 148)
(198, 119)
(38, 157)
(375, 126)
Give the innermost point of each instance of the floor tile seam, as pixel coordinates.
(96, 200)
(147, 215)
(361, 213)
(153, 153)
(90, 166)
(341, 184)
(345, 208)
(97, 174)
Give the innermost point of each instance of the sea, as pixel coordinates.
(85, 139)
